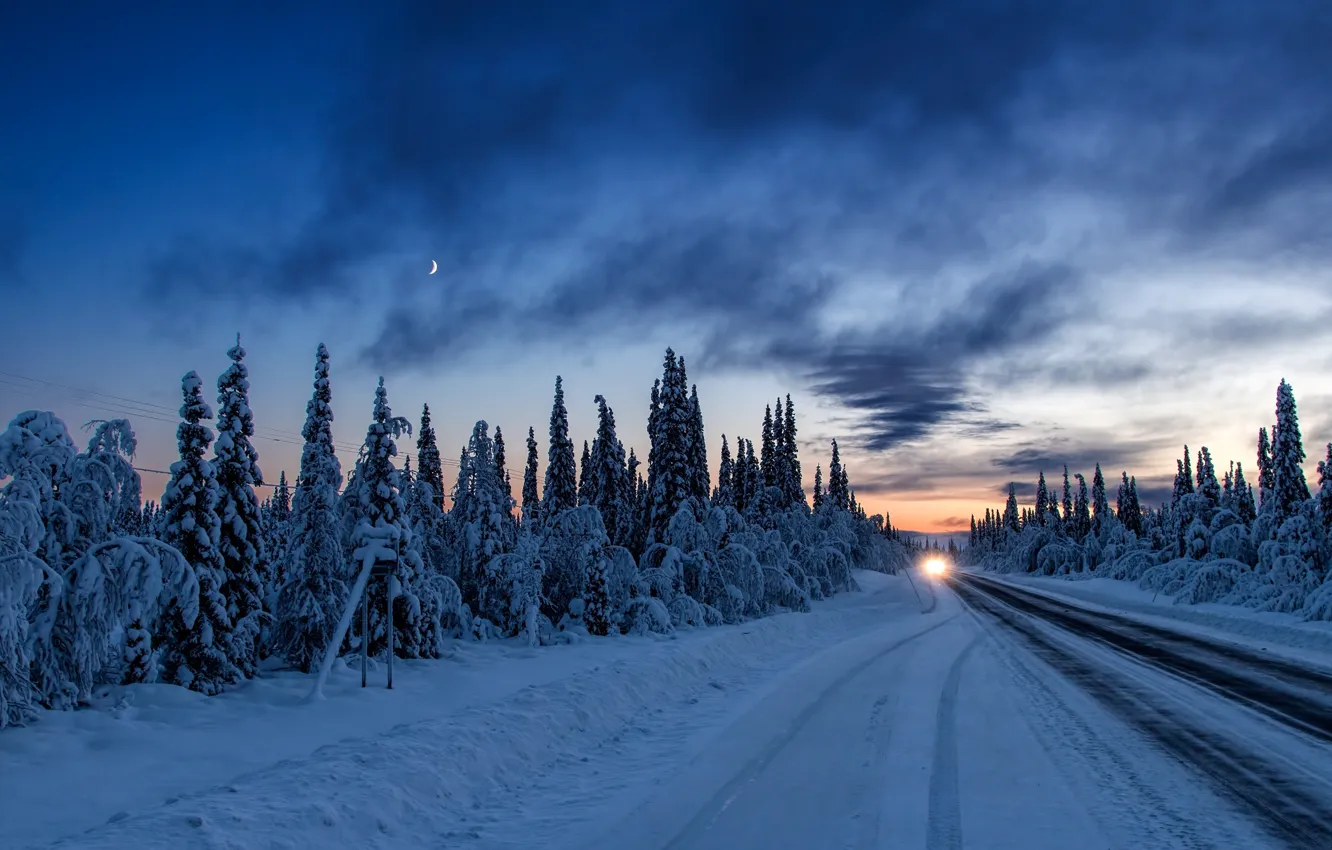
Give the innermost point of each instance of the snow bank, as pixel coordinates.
(258, 767)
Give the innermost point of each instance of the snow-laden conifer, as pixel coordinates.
(1266, 482)
(198, 636)
(1245, 506)
(837, 492)
(560, 490)
(315, 590)
(792, 488)
(480, 514)
(699, 477)
(1288, 485)
(241, 537)
(429, 466)
(585, 476)
(1042, 499)
(670, 481)
(1082, 509)
(606, 472)
(502, 472)
(724, 495)
(1325, 490)
(1011, 509)
(531, 500)
(767, 453)
(376, 512)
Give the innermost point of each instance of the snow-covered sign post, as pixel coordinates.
(375, 513)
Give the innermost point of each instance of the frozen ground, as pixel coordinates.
(866, 724)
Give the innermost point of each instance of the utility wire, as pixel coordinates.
(154, 412)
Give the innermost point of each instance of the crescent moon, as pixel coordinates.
(434, 266)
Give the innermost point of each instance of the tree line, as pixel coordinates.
(97, 588)
(1223, 539)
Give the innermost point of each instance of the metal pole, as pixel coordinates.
(365, 631)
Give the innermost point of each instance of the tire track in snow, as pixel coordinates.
(1286, 692)
(1294, 814)
(945, 818)
(1161, 815)
(878, 735)
(710, 811)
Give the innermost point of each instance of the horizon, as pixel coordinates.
(283, 444)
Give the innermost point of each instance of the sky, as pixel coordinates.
(973, 239)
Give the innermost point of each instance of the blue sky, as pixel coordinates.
(973, 239)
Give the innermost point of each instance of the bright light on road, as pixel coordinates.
(936, 567)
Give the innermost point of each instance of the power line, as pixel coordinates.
(159, 413)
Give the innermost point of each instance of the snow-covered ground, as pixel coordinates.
(1286, 634)
(493, 717)
(872, 722)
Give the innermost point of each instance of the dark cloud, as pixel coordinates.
(907, 377)
(589, 170)
(1023, 489)
(1298, 162)
(1100, 371)
(1079, 455)
(1153, 490)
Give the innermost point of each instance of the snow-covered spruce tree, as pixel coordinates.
(1011, 510)
(502, 471)
(818, 486)
(275, 514)
(1082, 510)
(99, 628)
(671, 479)
(314, 593)
(766, 449)
(429, 466)
(479, 511)
(1288, 485)
(376, 512)
(1042, 500)
(1100, 506)
(724, 495)
(606, 475)
(584, 476)
(1266, 482)
(740, 477)
(1325, 490)
(1067, 512)
(78, 601)
(1132, 516)
(598, 611)
(700, 479)
(655, 439)
(836, 494)
(199, 642)
(792, 489)
(531, 501)
(241, 537)
(753, 476)
(1208, 487)
(1245, 507)
(22, 576)
(560, 490)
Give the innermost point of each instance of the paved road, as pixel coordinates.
(1289, 795)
